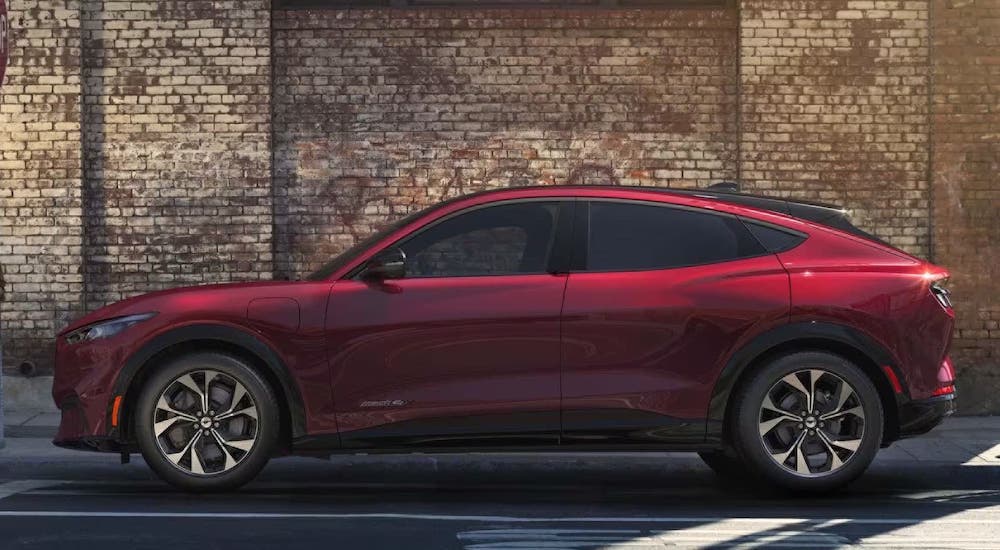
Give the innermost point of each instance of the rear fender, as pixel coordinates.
(836, 338)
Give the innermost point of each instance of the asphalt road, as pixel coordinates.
(487, 502)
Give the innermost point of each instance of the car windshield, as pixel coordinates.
(345, 257)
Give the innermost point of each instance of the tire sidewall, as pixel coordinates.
(745, 421)
(268, 423)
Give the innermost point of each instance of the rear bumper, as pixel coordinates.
(921, 416)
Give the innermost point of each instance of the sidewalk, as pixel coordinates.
(959, 440)
(40, 424)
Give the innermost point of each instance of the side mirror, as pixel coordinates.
(388, 264)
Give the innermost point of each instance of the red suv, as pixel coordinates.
(773, 337)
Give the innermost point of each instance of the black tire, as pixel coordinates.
(248, 463)
(726, 465)
(747, 423)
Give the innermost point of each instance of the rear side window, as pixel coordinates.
(630, 237)
(773, 239)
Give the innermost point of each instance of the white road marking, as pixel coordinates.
(718, 536)
(776, 522)
(12, 488)
(952, 496)
(702, 536)
(988, 457)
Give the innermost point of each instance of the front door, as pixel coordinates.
(462, 351)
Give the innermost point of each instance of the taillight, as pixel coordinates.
(941, 293)
(945, 378)
(946, 390)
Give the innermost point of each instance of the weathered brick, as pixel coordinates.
(148, 165)
(836, 123)
(36, 97)
(966, 199)
(382, 112)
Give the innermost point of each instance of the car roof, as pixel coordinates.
(763, 202)
(824, 214)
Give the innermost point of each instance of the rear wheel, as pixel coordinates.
(807, 421)
(207, 422)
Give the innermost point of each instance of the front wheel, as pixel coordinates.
(807, 421)
(206, 422)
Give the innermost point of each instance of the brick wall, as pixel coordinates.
(176, 133)
(834, 108)
(40, 178)
(136, 137)
(135, 155)
(966, 179)
(378, 112)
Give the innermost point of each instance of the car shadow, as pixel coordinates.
(572, 501)
(577, 500)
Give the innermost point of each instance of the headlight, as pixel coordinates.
(105, 329)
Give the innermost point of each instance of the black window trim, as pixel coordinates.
(555, 263)
(752, 221)
(581, 234)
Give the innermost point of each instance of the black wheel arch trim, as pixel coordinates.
(223, 334)
(815, 332)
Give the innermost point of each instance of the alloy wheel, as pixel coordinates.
(205, 422)
(811, 422)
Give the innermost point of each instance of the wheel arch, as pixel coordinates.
(209, 337)
(841, 340)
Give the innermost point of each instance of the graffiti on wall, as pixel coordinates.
(338, 191)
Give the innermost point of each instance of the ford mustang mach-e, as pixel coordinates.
(773, 337)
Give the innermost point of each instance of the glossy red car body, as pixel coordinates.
(568, 359)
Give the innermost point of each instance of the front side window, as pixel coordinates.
(631, 237)
(508, 239)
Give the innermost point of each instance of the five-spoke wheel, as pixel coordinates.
(206, 421)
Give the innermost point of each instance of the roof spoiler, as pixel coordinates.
(823, 214)
(725, 187)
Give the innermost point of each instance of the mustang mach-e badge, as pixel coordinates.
(383, 404)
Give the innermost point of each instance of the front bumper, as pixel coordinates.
(921, 416)
(83, 427)
(81, 389)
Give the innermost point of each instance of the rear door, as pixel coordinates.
(658, 298)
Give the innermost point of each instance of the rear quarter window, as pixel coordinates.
(773, 239)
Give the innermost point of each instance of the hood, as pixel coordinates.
(171, 298)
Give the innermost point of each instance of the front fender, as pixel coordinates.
(222, 334)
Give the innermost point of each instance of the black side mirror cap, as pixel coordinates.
(388, 264)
